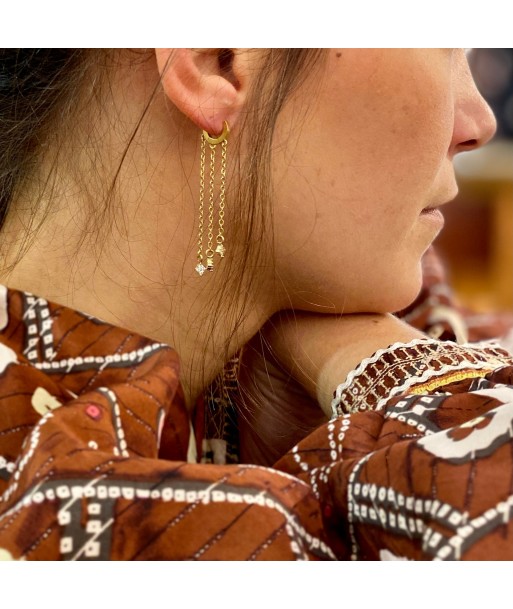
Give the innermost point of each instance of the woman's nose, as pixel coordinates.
(474, 121)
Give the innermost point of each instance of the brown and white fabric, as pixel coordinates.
(94, 439)
(423, 471)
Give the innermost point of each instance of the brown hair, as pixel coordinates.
(34, 84)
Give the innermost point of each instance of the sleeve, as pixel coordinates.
(417, 460)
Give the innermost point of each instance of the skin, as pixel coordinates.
(374, 147)
(383, 131)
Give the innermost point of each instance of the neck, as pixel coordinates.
(140, 289)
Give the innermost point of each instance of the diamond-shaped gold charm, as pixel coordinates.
(200, 269)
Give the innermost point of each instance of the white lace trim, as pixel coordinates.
(468, 356)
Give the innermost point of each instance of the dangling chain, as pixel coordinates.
(220, 249)
(210, 252)
(199, 267)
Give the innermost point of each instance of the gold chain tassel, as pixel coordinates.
(220, 249)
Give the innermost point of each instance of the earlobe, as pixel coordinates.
(201, 85)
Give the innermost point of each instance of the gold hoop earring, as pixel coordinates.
(213, 142)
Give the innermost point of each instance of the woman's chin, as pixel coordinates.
(394, 298)
(395, 289)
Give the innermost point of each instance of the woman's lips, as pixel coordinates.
(433, 214)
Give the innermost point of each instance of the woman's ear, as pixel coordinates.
(207, 85)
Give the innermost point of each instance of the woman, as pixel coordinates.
(193, 198)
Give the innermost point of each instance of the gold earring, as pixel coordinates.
(220, 249)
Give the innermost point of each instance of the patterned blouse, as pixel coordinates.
(98, 453)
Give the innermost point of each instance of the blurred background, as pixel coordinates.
(477, 241)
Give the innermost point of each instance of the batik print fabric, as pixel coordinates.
(417, 461)
(97, 458)
(94, 447)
